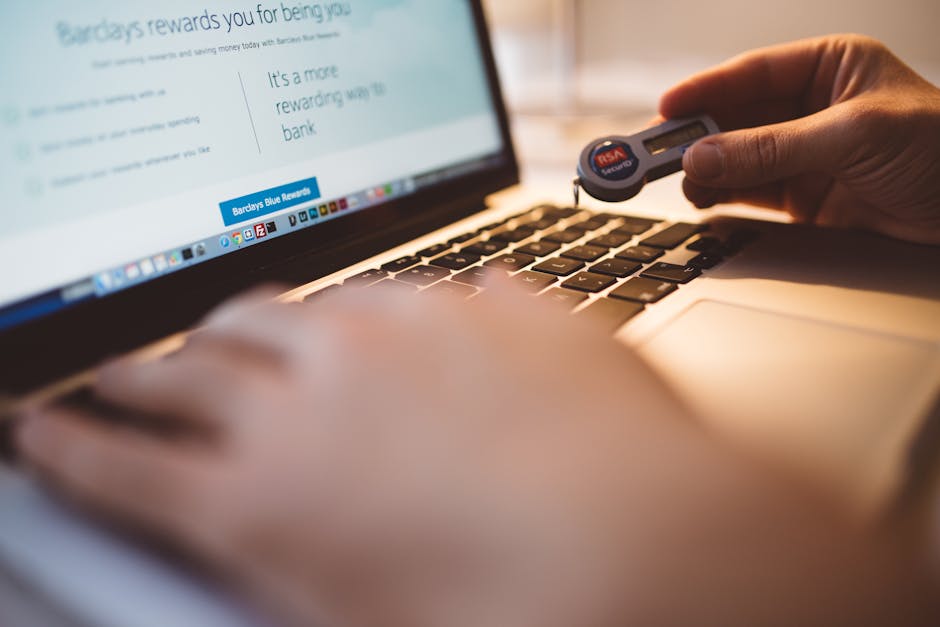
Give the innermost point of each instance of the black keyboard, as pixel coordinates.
(596, 264)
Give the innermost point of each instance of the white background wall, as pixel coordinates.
(626, 52)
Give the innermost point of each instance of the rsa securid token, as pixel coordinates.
(615, 168)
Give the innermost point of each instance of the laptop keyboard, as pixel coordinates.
(604, 265)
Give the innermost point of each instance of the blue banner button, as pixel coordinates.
(253, 206)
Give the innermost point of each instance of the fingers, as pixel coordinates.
(752, 157)
(139, 480)
(197, 385)
(253, 298)
(244, 344)
(773, 73)
(801, 197)
(771, 195)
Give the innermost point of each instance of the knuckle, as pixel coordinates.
(868, 43)
(856, 41)
(764, 149)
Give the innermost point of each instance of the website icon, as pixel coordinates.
(237, 238)
(118, 277)
(260, 230)
(248, 234)
(104, 281)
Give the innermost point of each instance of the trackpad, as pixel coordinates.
(836, 403)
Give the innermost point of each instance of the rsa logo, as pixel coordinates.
(613, 161)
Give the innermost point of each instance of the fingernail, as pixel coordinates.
(705, 161)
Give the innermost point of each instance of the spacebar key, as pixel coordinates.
(674, 235)
(610, 313)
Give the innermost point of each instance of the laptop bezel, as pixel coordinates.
(50, 347)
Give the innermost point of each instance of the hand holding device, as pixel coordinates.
(835, 130)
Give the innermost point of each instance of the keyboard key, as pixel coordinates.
(619, 268)
(559, 266)
(392, 284)
(366, 278)
(566, 298)
(564, 237)
(510, 261)
(450, 288)
(585, 253)
(671, 272)
(560, 213)
(542, 223)
(739, 239)
(643, 290)
(705, 260)
(495, 225)
(489, 247)
(539, 249)
(611, 240)
(611, 313)
(591, 224)
(460, 239)
(534, 281)
(401, 263)
(588, 282)
(672, 236)
(514, 235)
(706, 245)
(455, 261)
(643, 254)
(433, 251)
(329, 289)
(477, 276)
(422, 275)
(634, 226)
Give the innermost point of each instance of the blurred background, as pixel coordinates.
(573, 69)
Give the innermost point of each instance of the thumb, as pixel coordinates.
(756, 156)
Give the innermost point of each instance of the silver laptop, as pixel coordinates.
(156, 159)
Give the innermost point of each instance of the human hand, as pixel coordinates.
(836, 130)
(384, 461)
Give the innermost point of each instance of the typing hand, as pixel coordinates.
(835, 130)
(389, 460)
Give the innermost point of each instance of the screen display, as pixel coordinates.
(140, 138)
(678, 137)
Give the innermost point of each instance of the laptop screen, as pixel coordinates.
(140, 139)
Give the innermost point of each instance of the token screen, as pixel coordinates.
(678, 137)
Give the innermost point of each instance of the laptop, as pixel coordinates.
(159, 158)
